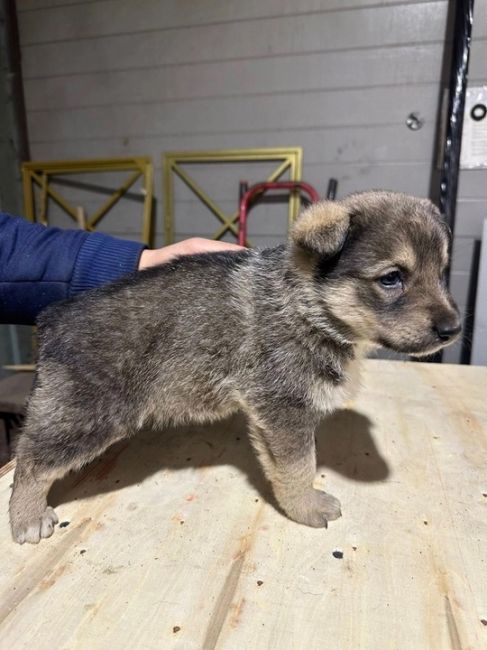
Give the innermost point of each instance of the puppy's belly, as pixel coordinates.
(198, 405)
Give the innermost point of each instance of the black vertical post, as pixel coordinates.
(13, 151)
(331, 192)
(13, 126)
(444, 178)
(460, 53)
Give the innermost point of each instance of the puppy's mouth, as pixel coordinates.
(423, 348)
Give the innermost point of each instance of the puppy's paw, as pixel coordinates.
(32, 530)
(315, 508)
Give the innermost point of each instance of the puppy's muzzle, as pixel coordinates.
(447, 328)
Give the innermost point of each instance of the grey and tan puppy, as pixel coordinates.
(278, 333)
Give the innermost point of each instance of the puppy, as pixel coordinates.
(278, 333)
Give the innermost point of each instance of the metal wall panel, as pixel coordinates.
(298, 73)
(119, 16)
(291, 111)
(366, 145)
(374, 27)
(337, 77)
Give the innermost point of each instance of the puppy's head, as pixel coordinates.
(378, 261)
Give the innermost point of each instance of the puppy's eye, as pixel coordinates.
(391, 280)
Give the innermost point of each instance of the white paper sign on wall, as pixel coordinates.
(474, 136)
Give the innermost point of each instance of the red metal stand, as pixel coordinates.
(260, 188)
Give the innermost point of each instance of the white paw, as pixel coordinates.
(314, 508)
(331, 506)
(32, 531)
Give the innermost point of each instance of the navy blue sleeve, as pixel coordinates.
(40, 265)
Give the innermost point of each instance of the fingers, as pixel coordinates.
(200, 245)
(187, 247)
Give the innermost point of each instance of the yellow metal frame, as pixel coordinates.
(288, 159)
(40, 173)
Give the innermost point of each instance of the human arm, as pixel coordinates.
(40, 265)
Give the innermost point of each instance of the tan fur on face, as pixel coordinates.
(404, 257)
(343, 302)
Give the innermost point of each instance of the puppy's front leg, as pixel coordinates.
(288, 456)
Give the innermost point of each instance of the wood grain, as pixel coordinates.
(173, 540)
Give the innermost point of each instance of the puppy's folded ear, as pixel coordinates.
(322, 228)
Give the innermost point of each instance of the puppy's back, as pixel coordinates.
(185, 297)
(163, 341)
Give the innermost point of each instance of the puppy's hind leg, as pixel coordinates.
(49, 447)
(286, 448)
(44, 455)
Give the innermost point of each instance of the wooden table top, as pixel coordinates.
(171, 541)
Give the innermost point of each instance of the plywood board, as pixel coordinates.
(173, 541)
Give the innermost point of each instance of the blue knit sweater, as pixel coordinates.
(40, 265)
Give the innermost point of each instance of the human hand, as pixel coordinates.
(154, 257)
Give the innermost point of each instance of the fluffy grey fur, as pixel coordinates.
(277, 333)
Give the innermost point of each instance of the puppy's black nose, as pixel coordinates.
(447, 329)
